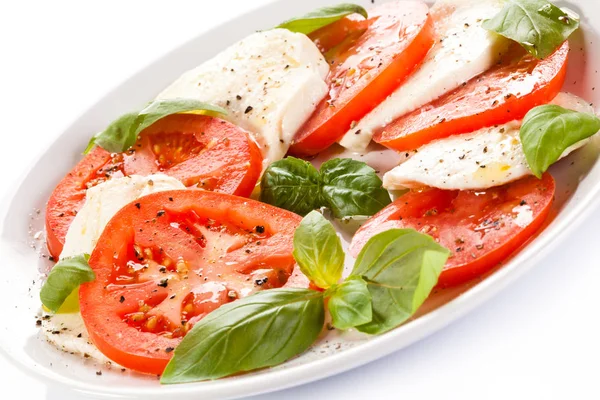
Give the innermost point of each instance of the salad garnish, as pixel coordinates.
(321, 17)
(258, 331)
(548, 130)
(346, 186)
(537, 25)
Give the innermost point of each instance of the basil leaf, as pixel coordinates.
(321, 17)
(258, 331)
(64, 278)
(547, 131)
(350, 304)
(122, 133)
(318, 250)
(292, 184)
(351, 188)
(537, 25)
(401, 267)
(347, 187)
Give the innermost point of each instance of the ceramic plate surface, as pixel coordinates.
(578, 193)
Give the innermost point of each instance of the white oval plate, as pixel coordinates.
(578, 193)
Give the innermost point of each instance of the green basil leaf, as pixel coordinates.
(64, 278)
(321, 17)
(350, 304)
(401, 267)
(292, 184)
(258, 331)
(547, 131)
(122, 133)
(318, 250)
(352, 188)
(537, 25)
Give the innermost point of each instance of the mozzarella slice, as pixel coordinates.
(67, 332)
(103, 201)
(270, 83)
(463, 50)
(479, 160)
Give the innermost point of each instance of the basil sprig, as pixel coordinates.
(258, 331)
(321, 17)
(537, 25)
(346, 186)
(547, 131)
(122, 133)
(64, 278)
(393, 275)
(400, 267)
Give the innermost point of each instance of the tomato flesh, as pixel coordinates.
(168, 259)
(199, 151)
(504, 93)
(481, 228)
(366, 67)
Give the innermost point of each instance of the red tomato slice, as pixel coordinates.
(504, 93)
(199, 151)
(365, 69)
(481, 228)
(166, 260)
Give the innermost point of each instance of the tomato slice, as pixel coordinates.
(481, 228)
(198, 150)
(504, 93)
(365, 68)
(166, 260)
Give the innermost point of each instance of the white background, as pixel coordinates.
(539, 339)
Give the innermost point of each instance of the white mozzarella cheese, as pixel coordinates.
(270, 83)
(103, 201)
(463, 50)
(479, 160)
(67, 332)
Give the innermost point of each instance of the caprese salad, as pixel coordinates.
(191, 240)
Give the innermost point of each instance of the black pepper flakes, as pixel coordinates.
(163, 283)
(122, 299)
(261, 281)
(169, 349)
(248, 109)
(260, 229)
(138, 205)
(160, 213)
